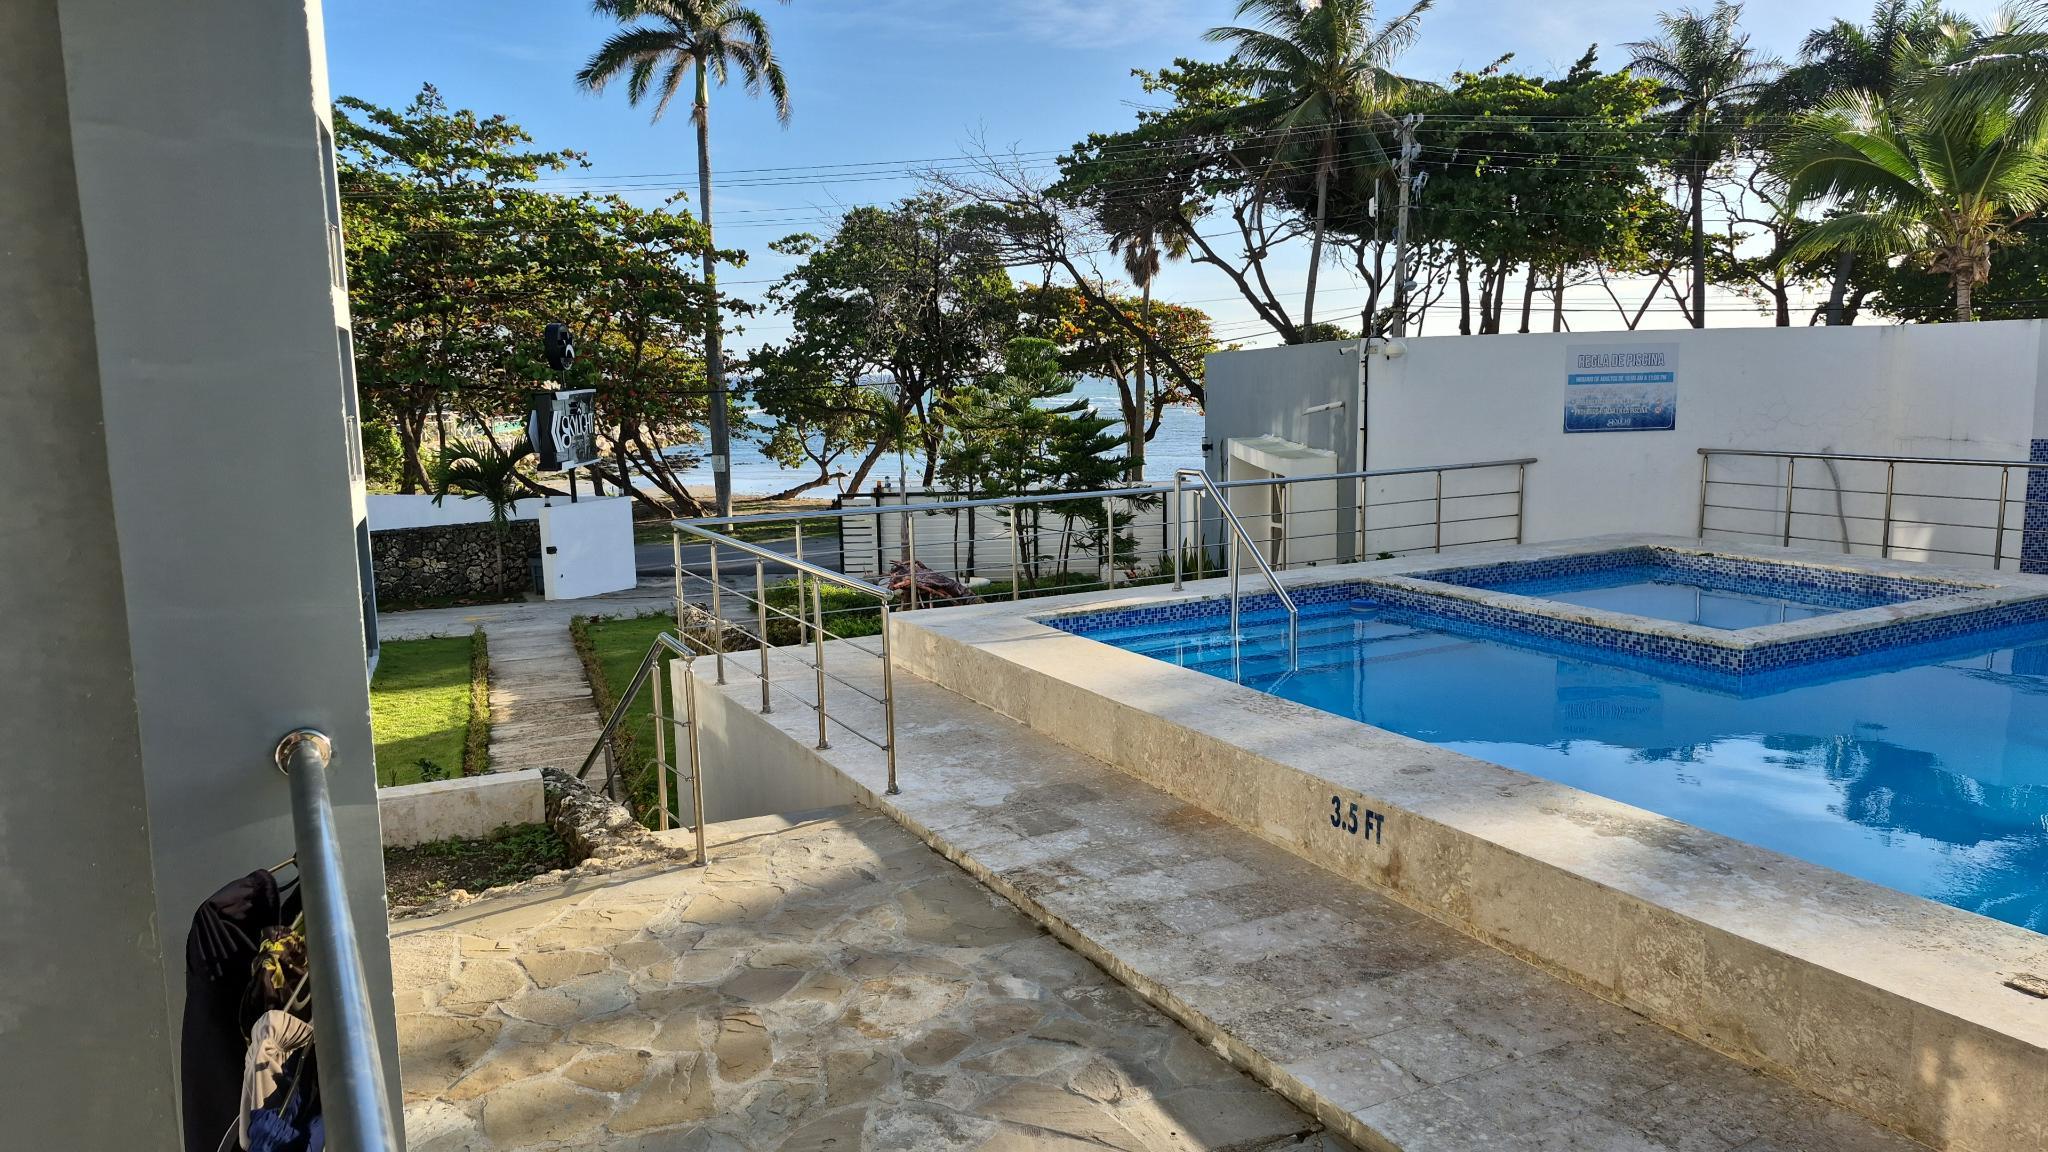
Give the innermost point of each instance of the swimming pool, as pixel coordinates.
(1921, 767)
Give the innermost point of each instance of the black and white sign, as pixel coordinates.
(563, 429)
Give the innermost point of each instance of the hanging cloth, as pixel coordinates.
(276, 1036)
(290, 1120)
(213, 1040)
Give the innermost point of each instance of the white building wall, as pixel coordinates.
(1961, 391)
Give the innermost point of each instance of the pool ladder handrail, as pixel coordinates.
(1240, 539)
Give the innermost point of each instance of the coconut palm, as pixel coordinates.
(1316, 69)
(712, 40)
(1707, 72)
(480, 470)
(1155, 232)
(1936, 181)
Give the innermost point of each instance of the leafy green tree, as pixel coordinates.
(713, 40)
(481, 470)
(1318, 73)
(1939, 184)
(1707, 72)
(2017, 288)
(1156, 231)
(1092, 341)
(1010, 433)
(914, 296)
(432, 207)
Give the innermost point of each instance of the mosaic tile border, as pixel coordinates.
(1835, 586)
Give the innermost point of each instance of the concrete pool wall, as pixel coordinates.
(1892, 1005)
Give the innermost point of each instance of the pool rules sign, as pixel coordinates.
(1621, 388)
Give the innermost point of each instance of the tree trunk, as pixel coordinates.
(714, 355)
(1528, 296)
(1698, 179)
(1557, 300)
(1136, 472)
(1964, 314)
(1315, 248)
(1464, 295)
(1845, 262)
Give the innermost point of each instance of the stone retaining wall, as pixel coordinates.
(451, 561)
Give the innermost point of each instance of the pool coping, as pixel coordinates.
(1891, 1004)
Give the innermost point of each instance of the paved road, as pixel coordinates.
(658, 559)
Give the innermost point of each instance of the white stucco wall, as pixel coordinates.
(1926, 390)
(394, 511)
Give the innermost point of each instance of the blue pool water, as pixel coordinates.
(1661, 593)
(1926, 771)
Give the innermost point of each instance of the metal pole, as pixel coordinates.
(1890, 470)
(717, 617)
(1706, 458)
(1521, 487)
(1998, 539)
(660, 743)
(1791, 468)
(1409, 152)
(1439, 510)
(696, 761)
(888, 698)
(1016, 560)
(1280, 541)
(1179, 537)
(910, 560)
(1234, 539)
(761, 628)
(1109, 539)
(818, 633)
(1202, 495)
(353, 1085)
(675, 541)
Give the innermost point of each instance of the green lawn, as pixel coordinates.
(419, 707)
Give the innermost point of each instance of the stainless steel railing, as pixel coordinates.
(811, 580)
(1904, 507)
(1239, 538)
(681, 727)
(355, 1095)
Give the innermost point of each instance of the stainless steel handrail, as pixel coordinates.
(1239, 539)
(354, 1085)
(938, 506)
(650, 669)
(1884, 544)
(820, 576)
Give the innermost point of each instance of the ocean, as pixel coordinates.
(1178, 444)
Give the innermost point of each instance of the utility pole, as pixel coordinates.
(1410, 150)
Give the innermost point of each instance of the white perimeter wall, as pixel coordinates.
(392, 511)
(1925, 390)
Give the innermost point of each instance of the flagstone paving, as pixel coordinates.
(826, 983)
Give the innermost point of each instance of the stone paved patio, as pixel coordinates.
(828, 984)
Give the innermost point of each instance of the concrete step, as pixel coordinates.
(1394, 1029)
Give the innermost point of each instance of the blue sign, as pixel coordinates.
(1621, 388)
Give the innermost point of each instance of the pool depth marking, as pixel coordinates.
(1349, 818)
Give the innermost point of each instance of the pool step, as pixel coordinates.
(1391, 1028)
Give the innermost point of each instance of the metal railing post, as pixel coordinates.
(1791, 469)
(1998, 539)
(761, 627)
(1439, 510)
(818, 635)
(660, 743)
(1706, 458)
(1234, 538)
(1016, 558)
(354, 1089)
(909, 562)
(675, 540)
(1202, 533)
(1180, 539)
(717, 617)
(696, 760)
(1885, 541)
(1521, 489)
(888, 699)
(1109, 540)
(1280, 548)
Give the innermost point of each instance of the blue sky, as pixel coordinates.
(905, 80)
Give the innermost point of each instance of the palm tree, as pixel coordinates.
(1707, 70)
(1316, 69)
(1902, 40)
(713, 39)
(1934, 180)
(1157, 231)
(480, 470)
